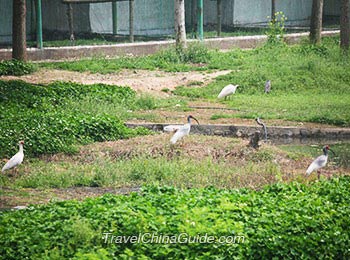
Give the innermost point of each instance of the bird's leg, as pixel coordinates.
(318, 174)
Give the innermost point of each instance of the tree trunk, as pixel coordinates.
(344, 25)
(316, 21)
(19, 46)
(180, 31)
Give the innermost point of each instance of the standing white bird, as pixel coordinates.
(183, 130)
(228, 90)
(17, 159)
(268, 86)
(319, 162)
(171, 128)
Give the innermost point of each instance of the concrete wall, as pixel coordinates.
(151, 17)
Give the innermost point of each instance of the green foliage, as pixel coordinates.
(170, 59)
(44, 117)
(276, 30)
(280, 221)
(16, 68)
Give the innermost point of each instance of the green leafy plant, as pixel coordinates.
(44, 117)
(276, 30)
(279, 221)
(16, 68)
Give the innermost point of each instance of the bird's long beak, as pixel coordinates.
(195, 119)
(332, 151)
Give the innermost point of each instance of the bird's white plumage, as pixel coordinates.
(171, 128)
(181, 132)
(318, 163)
(228, 90)
(15, 160)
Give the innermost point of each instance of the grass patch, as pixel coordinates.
(279, 221)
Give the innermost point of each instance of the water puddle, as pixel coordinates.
(341, 150)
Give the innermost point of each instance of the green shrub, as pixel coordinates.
(16, 68)
(281, 221)
(276, 30)
(44, 118)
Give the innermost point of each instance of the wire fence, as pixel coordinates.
(86, 22)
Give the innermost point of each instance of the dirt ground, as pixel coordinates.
(143, 81)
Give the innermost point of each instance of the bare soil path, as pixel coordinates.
(153, 82)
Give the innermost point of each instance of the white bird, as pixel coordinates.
(228, 90)
(171, 128)
(319, 162)
(268, 86)
(17, 159)
(183, 130)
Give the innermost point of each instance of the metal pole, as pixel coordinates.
(39, 25)
(114, 15)
(131, 20)
(200, 19)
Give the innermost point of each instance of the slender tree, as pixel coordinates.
(180, 30)
(19, 46)
(344, 25)
(316, 21)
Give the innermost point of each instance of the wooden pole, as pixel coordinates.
(131, 20)
(273, 11)
(70, 21)
(218, 21)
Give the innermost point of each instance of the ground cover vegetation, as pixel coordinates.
(56, 117)
(282, 221)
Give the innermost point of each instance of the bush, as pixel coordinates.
(42, 116)
(281, 221)
(16, 68)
